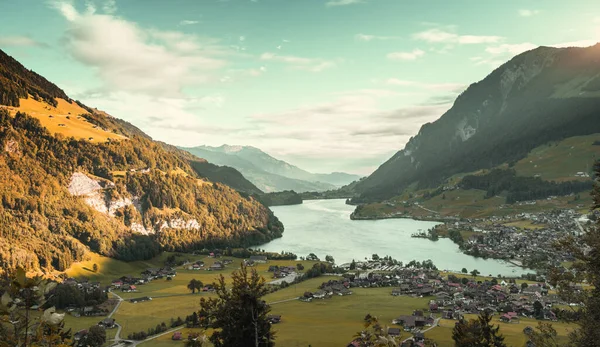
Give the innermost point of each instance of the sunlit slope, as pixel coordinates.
(64, 119)
(562, 160)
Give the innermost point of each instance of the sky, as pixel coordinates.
(328, 85)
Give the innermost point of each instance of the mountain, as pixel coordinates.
(539, 98)
(74, 180)
(268, 173)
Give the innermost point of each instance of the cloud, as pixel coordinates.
(188, 22)
(442, 87)
(367, 38)
(109, 6)
(300, 63)
(351, 127)
(528, 13)
(437, 35)
(20, 41)
(334, 3)
(413, 55)
(130, 58)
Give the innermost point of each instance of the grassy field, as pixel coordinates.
(513, 332)
(55, 119)
(560, 161)
(329, 322)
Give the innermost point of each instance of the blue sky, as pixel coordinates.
(329, 85)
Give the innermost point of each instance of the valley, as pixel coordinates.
(481, 225)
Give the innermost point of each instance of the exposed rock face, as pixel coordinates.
(81, 184)
(179, 223)
(95, 196)
(12, 147)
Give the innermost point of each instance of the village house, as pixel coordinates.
(216, 266)
(261, 259)
(107, 323)
(129, 288)
(274, 319)
(142, 299)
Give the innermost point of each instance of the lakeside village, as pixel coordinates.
(528, 240)
(451, 295)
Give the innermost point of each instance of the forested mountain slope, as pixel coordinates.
(126, 196)
(540, 96)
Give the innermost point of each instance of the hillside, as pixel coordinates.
(537, 100)
(270, 174)
(66, 192)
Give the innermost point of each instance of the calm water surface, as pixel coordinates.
(324, 227)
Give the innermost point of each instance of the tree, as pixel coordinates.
(477, 332)
(464, 270)
(195, 285)
(195, 340)
(353, 265)
(374, 335)
(95, 337)
(300, 267)
(537, 310)
(238, 314)
(545, 336)
(312, 257)
(329, 259)
(474, 273)
(95, 267)
(524, 285)
(375, 257)
(585, 267)
(18, 325)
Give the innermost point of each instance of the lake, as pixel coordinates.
(324, 227)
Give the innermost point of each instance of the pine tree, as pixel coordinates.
(477, 332)
(238, 314)
(585, 267)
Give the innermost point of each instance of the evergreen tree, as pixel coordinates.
(586, 267)
(19, 326)
(238, 314)
(477, 332)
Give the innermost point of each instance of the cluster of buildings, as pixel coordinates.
(532, 248)
(129, 283)
(282, 271)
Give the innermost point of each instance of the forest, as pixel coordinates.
(518, 188)
(45, 228)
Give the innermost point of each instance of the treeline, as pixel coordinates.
(287, 197)
(44, 227)
(65, 295)
(520, 188)
(17, 82)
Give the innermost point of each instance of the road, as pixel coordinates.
(425, 208)
(117, 338)
(435, 324)
(579, 225)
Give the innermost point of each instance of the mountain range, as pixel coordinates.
(539, 98)
(270, 174)
(75, 180)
